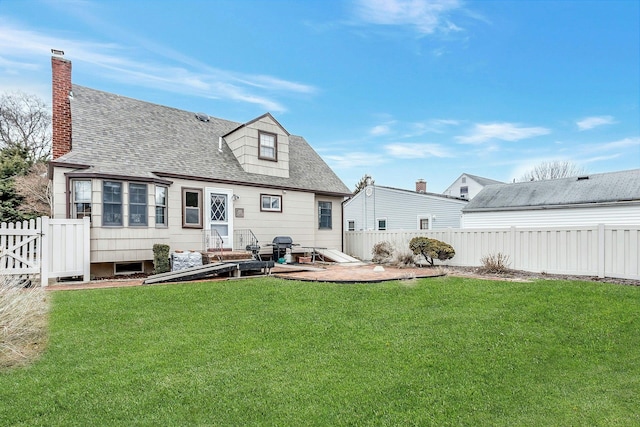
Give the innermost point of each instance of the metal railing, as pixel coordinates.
(213, 242)
(244, 238)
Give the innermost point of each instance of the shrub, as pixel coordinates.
(405, 259)
(382, 252)
(23, 321)
(431, 249)
(161, 258)
(495, 263)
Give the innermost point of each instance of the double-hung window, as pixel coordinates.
(192, 208)
(137, 205)
(382, 224)
(423, 223)
(111, 203)
(268, 146)
(161, 206)
(81, 199)
(270, 203)
(324, 215)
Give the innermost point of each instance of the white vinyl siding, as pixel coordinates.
(609, 215)
(401, 208)
(299, 220)
(244, 142)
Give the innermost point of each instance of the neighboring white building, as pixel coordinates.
(385, 208)
(607, 198)
(467, 186)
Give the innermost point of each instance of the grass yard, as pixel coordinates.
(264, 351)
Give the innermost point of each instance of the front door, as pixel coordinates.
(219, 218)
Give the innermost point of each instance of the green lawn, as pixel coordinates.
(265, 351)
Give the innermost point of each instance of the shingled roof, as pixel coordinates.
(483, 181)
(596, 189)
(119, 136)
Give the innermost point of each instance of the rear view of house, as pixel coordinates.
(147, 174)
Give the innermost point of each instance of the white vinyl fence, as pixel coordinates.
(45, 248)
(600, 250)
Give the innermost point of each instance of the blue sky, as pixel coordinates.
(400, 90)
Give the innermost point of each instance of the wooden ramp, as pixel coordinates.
(336, 256)
(209, 270)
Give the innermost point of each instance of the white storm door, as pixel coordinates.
(219, 214)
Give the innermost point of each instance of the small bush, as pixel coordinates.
(405, 259)
(161, 262)
(495, 263)
(23, 321)
(431, 249)
(382, 252)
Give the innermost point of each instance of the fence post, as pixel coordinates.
(601, 251)
(512, 231)
(86, 249)
(43, 226)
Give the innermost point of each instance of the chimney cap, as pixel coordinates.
(57, 52)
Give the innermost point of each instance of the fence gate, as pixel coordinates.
(21, 248)
(44, 248)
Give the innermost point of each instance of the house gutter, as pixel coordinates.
(53, 164)
(118, 177)
(250, 184)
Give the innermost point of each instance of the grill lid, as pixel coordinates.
(282, 240)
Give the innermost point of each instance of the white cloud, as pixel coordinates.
(426, 16)
(354, 160)
(22, 49)
(502, 131)
(592, 122)
(416, 150)
(379, 130)
(416, 129)
(613, 145)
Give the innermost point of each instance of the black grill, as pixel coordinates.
(280, 245)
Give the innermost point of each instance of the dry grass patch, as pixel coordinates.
(23, 322)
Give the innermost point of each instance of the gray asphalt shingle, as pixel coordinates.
(116, 135)
(590, 189)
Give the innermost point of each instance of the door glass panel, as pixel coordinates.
(218, 207)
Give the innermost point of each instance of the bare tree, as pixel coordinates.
(35, 189)
(553, 170)
(25, 123)
(364, 181)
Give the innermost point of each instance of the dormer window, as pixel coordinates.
(268, 146)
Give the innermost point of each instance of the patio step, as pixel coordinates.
(213, 257)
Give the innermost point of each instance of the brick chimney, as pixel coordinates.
(60, 105)
(421, 186)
